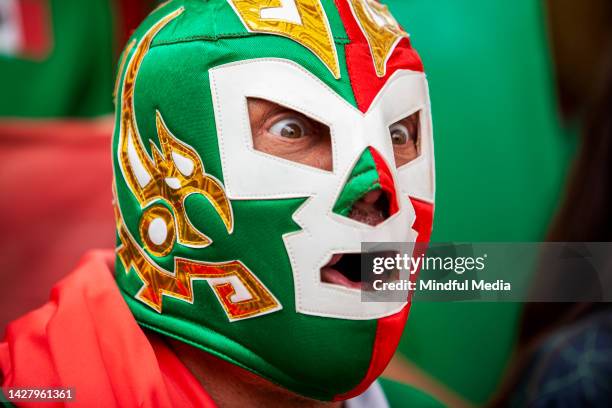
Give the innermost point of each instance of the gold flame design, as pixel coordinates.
(161, 184)
(179, 285)
(312, 30)
(381, 30)
(161, 177)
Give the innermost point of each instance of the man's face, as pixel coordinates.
(285, 133)
(253, 158)
(291, 135)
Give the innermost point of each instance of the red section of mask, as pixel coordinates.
(366, 86)
(386, 180)
(389, 329)
(423, 225)
(366, 83)
(424, 219)
(388, 333)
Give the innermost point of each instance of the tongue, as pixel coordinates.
(335, 259)
(331, 275)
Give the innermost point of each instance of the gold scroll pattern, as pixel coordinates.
(173, 173)
(161, 184)
(381, 30)
(303, 21)
(238, 290)
(158, 213)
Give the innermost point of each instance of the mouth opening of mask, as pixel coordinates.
(346, 270)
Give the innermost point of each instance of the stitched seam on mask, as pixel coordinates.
(321, 313)
(181, 337)
(246, 125)
(363, 316)
(296, 281)
(220, 121)
(219, 353)
(225, 36)
(357, 198)
(318, 283)
(342, 290)
(284, 161)
(289, 247)
(221, 138)
(338, 189)
(304, 70)
(309, 113)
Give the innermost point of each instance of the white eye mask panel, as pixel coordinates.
(253, 175)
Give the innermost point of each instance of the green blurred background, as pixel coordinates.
(501, 161)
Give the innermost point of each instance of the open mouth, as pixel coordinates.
(345, 270)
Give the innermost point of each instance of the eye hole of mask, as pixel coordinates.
(406, 138)
(290, 135)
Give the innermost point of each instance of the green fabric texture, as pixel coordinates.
(403, 395)
(76, 78)
(313, 356)
(363, 179)
(501, 159)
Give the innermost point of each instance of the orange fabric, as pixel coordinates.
(86, 338)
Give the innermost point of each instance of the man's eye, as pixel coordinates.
(283, 132)
(291, 128)
(400, 135)
(406, 139)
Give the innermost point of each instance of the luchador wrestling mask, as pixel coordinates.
(246, 252)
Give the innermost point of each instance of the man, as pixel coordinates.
(257, 145)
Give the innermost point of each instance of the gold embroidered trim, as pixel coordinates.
(238, 290)
(160, 214)
(381, 30)
(303, 21)
(173, 173)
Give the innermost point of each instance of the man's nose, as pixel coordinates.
(372, 209)
(368, 195)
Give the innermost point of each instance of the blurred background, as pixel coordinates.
(511, 85)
